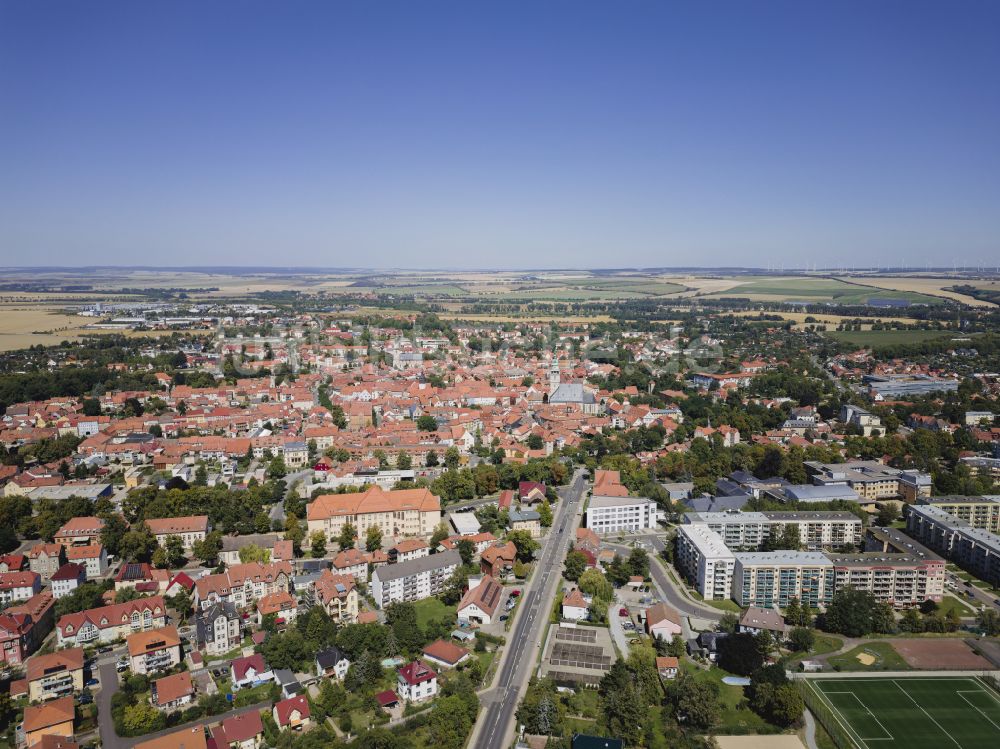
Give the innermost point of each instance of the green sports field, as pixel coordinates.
(913, 712)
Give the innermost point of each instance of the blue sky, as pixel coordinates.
(499, 134)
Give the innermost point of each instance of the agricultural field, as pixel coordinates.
(934, 286)
(911, 712)
(27, 326)
(818, 290)
(876, 338)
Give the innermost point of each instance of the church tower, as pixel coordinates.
(554, 374)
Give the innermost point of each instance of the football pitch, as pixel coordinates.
(915, 713)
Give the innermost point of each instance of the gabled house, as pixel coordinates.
(480, 603)
(574, 606)
(332, 663)
(218, 628)
(155, 650)
(55, 675)
(172, 692)
(663, 621)
(244, 731)
(416, 682)
(291, 713)
(445, 654)
(498, 560)
(249, 671)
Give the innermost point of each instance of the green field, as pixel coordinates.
(915, 713)
(430, 609)
(815, 290)
(876, 338)
(885, 659)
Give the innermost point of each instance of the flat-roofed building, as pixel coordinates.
(896, 579)
(976, 550)
(978, 512)
(769, 578)
(414, 580)
(705, 559)
(621, 514)
(750, 531)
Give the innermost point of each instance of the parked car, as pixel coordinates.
(86, 699)
(504, 617)
(105, 649)
(91, 682)
(622, 612)
(515, 593)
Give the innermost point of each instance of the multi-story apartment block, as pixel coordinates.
(80, 531)
(414, 580)
(189, 529)
(621, 514)
(24, 626)
(400, 512)
(892, 386)
(750, 531)
(218, 628)
(19, 586)
(108, 623)
(771, 578)
(242, 584)
(93, 557)
(973, 548)
(705, 559)
(978, 512)
(45, 559)
(155, 650)
(55, 675)
(896, 579)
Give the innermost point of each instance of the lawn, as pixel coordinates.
(876, 338)
(727, 604)
(431, 609)
(813, 290)
(916, 713)
(735, 717)
(950, 602)
(880, 656)
(824, 644)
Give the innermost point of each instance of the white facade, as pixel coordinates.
(703, 556)
(414, 580)
(621, 514)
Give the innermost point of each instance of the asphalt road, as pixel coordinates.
(494, 728)
(671, 593)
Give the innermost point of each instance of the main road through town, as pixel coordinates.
(495, 727)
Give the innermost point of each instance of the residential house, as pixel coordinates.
(666, 666)
(109, 623)
(332, 663)
(244, 731)
(155, 650)
(45, 559)
(530, 492)
(55, 675)
(173, 692)
(416, 682)
(755, 620)
(67, 579)
(663, 621)
(282, 604)
(525, 520)
(408, 549)
(19, 586)
(480, 603)
(574, 606)
(24, 626)
(243, 583)
(93, 557)
(218, 628)
(446, 654)
(249, 671)
(352, 562)
(338, 596)
(498, 560)
(185, 738)
(292, 713)
(50, 719)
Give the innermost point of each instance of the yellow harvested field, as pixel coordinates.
(20, 320)
(924, 285)
(527, 317)
(799, 318)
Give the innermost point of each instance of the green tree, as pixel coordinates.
(466, 550)
(888, 513)
(802, 639)
(451, 458)
(850, 613)
(317, 544)
(545, 514)
(989, 620)
(432, 459)
(695, 702)
(141, 718)
(373, 538)
(175, 551)
(138, 544)
(348, 536)
(575, 565)
(403, 461)
(254, 553)
(729, 622)
(911, 621)
(276, 469)
(427, 423)
(525, 544)
(534, 442)
(181, 603)
(741, 653)
(208, 549)
(638, 562)
(541, 712)
(440, 534)
(618, 572)
(622, 703)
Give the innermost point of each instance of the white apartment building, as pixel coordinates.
(708, 563)
(414, 580)
(750, 530)
(621, 514)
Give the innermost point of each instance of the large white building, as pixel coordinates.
(621, 514)
(414, 580)
(706, 560)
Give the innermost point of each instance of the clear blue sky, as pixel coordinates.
(499, 134)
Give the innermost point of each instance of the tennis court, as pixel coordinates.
(912, 712)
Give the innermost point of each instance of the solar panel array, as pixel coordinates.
(576, 635)
(580, 656)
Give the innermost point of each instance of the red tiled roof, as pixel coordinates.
(417, 672)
